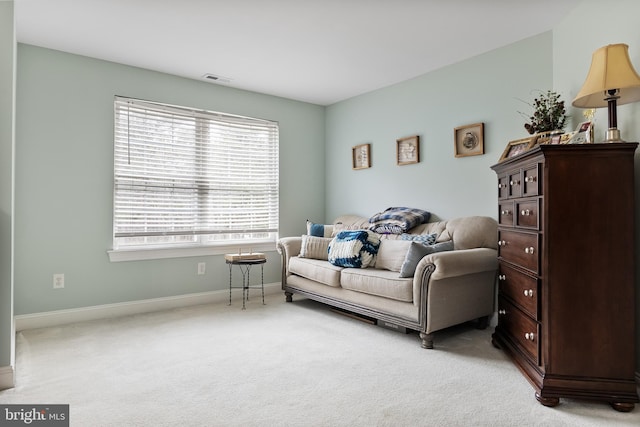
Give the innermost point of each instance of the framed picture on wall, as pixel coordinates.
(361, 156)
(469, 140)
(408, 150)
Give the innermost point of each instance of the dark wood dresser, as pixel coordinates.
(566, 305)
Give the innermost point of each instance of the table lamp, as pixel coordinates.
(611, 81)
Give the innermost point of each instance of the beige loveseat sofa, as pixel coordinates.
(447, 288)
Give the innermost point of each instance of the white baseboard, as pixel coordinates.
(7, 377)
(62, 317)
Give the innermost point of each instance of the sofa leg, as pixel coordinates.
(288, 296)
(427, 340)
(483, 322)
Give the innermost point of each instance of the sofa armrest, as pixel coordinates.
(288, 247)
(460, 262)
(450, 264)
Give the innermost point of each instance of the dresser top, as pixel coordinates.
(569, 149)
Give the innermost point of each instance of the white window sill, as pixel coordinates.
(141, 254)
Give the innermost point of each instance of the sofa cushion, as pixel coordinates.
(429, 228)
(417, 251)
(391, 254)
(315, 247)
(319, 230)
(315, 269)
(383, 283)
(355, 248)
(350, 222)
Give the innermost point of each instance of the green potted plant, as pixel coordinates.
(549, 113)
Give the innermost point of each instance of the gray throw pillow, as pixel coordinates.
(417, 251)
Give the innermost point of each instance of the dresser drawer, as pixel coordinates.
(527, 214)
(519, 248)
(521, 288)
(503, 187)
(515, 184)
(505, 213)
(523, 330)
(531, 177)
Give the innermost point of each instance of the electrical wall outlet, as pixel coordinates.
(202, 267)
(58, 281)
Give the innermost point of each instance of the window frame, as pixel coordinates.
(200, 246)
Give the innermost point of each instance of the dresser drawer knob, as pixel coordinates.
(505, 212)
(516, 182)
(525, 212)
(529, 336)
(502, 243)
(529, 250)
(501, 186)
(502, 277)
(528, 292)
(502, 312)
(530, 179)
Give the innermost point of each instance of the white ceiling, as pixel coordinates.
(318, 51)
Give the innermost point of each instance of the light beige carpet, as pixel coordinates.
(281, 364)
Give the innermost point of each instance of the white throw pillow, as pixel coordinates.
(315, 247)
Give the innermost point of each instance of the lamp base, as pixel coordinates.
(613, 135)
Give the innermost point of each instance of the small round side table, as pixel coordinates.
(245, 268)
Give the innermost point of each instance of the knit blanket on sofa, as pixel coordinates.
(397, 220)
(353, 248)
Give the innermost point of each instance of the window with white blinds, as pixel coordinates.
(191, 177)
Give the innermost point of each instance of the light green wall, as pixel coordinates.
(64, 179)
(590, 26)
(488, 88)
(64, 167)
(7, 98)
(573, 46)
(482, 89)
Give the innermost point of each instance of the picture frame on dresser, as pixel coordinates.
(566, 137)
(517, 146)
(582, 134)
(563, 138)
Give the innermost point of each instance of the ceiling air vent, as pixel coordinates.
(216, 79)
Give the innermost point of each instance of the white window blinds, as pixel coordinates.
(183, 176)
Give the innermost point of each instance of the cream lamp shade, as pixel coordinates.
(611, 81)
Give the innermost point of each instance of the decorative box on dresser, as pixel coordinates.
(566, 306)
